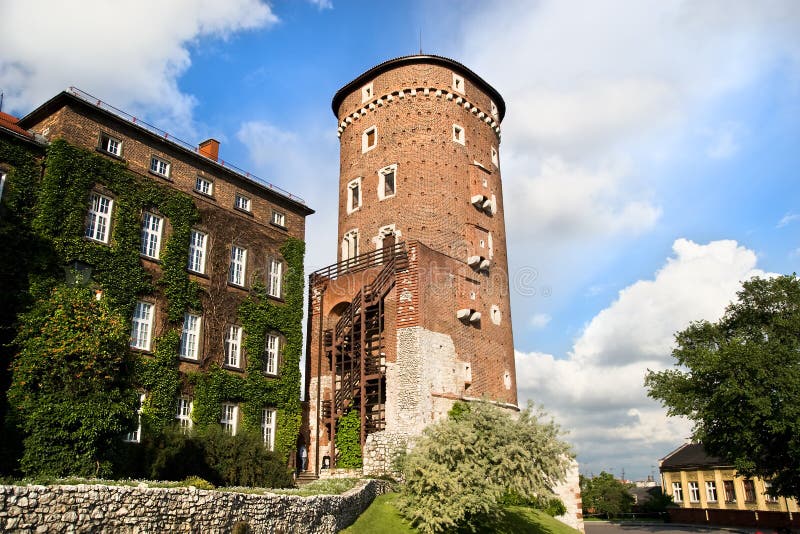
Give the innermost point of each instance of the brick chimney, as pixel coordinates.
(210, 149)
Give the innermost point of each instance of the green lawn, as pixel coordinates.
(383, 518)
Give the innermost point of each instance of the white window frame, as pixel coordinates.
(190, 336)
(197, 251)
(354, 195)
(230, 417)
(272, 350)
(111, 145)
(389, 169)
(160, 167)
(367, 92)
(275, 280)
(269, 418)
(135, 436)
(677, 492)
(365, 146)
(694, 492)
(278, 218)
(98, 227)
(711, 491)
(459, 135)
(233, 346)
(495, 157)
(242, 203)
(204, 186)
(142, 325)
(350, 244)
(183, 413)
(458, 83)
(237, 271)
(152, 226)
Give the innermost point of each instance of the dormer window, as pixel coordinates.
(458, 134)
(111, 145)
(369, 139)
(458, 83)
(367, 92)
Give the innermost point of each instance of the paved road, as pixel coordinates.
(594, 527)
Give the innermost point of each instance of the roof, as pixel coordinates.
(690, 455)
(10, 122)
(342, 93)
(76, 97)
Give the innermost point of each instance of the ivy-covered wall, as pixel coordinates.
(52, 207)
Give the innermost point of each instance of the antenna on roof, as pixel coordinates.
(420, 41)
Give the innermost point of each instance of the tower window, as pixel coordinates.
(369, 139)
(350, 245)
(458, 134)
(493, 108)
(495, 158)
(387, 182)
(353, 195)
(367, 93)
(458, 83)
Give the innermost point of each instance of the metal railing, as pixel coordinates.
(86, 97)
(359, 263)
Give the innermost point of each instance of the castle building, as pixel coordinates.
(415, 314)
(180, 241)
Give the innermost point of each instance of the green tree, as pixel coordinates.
(739, 382)
(69, 394)
(462, 468)
(604, 494)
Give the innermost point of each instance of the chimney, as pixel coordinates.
(210, 149)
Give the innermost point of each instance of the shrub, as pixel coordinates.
(348, 440)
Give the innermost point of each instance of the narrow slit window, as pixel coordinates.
(458, 134)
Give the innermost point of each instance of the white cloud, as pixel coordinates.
(135, 65)
(725, 141)
(322, 4)
(787, 219)
(540, 320)
(597, 391)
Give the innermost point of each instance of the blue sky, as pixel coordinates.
(650, 152)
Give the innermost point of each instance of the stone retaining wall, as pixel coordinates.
(126, 509)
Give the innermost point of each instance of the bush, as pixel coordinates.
(348, 440)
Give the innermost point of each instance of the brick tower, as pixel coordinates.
(415, 314)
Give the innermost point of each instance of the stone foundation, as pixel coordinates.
(380, 451)
(128, 510)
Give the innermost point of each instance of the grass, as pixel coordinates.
(383, 518)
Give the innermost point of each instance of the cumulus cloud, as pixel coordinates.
(135, 65)
(597, 390)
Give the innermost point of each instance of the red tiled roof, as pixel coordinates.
(9, 122)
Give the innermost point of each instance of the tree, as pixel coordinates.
(739, 382)
(69, 392)
(462, 468)
(604, 494)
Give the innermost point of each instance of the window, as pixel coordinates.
(458, 134)
(268, 427)
(233, 346)
(711, 491)
(278, 218)
(730, 493)
(694, 492)
(159, 166)
(677, 492)
(110, 145)
(197, 252)
(135, 436)
(350, 245)
(190, 336)
(387, 182)
(271, 350)
(493, 108)
(367, 92)
(2, 184)
(236, 272)
(485, 182)
(354, 195)
(767, 497)
(242, 202)
(142, 325)
(369, 139)
(749, 491)
(230, 416)
(458, 83)
(275, 278)
(99, 217)
(495, 157)
(184, 412)
(151, 235)
(204, 186)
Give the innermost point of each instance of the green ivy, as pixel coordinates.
(260, 316)
(348, 440)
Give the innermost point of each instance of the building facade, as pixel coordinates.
(204, 258)
(415, 313)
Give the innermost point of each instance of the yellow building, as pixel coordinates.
(698, 480)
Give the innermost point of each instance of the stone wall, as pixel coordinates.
(126, 509)
(569, 491)
(380, 451)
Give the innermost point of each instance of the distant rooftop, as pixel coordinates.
(169, 138)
